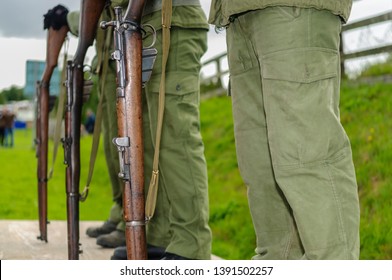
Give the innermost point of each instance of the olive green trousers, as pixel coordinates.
(293, 153)
(180, 223)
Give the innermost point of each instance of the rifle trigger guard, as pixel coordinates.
(153, 32)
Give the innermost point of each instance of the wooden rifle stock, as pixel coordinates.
(128, 43)
(132, 126)
(55, 40)
(89, 15)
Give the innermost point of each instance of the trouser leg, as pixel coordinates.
(296, 53)
(158, 233)
(183, 174)
(277, 236)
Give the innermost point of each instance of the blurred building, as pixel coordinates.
(34, 71)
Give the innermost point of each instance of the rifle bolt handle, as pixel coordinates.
(106, 24)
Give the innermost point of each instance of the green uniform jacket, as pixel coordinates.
(222, 10)
(188, 14)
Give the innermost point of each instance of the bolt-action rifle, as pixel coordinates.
(55, 40)
(134, 66)
(89, 15)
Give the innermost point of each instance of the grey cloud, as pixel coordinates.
(24, 18)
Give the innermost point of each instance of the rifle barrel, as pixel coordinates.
(55, 40)
(90, 13)
(42, 142)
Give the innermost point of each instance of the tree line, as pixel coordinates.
(14, 93)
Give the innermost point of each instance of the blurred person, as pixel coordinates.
(90, 121)
(9, 120)
(2, 127)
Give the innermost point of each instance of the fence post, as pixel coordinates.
(219, 72)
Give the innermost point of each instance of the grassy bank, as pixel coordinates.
(367, 116)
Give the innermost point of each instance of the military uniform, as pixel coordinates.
(293, 153)
(180, 223)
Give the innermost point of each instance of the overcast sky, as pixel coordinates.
(22, 36)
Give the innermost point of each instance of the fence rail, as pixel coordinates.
(216, 78)
(373, 51)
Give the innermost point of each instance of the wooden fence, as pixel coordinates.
(216, 78)
(373, 51)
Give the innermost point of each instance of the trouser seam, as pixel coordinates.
(197, 195)
(288, 245)
(341, 231)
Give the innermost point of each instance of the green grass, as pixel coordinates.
(378, 69)
(366, 113)
(229, 212)
(18, 183)
(367, 117)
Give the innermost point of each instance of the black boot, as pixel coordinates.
(153, 253)
(112, 240)
(106, 228)
(171, 256)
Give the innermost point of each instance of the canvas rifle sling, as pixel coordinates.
(60, 109)
(153, 188)
(98, 116)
